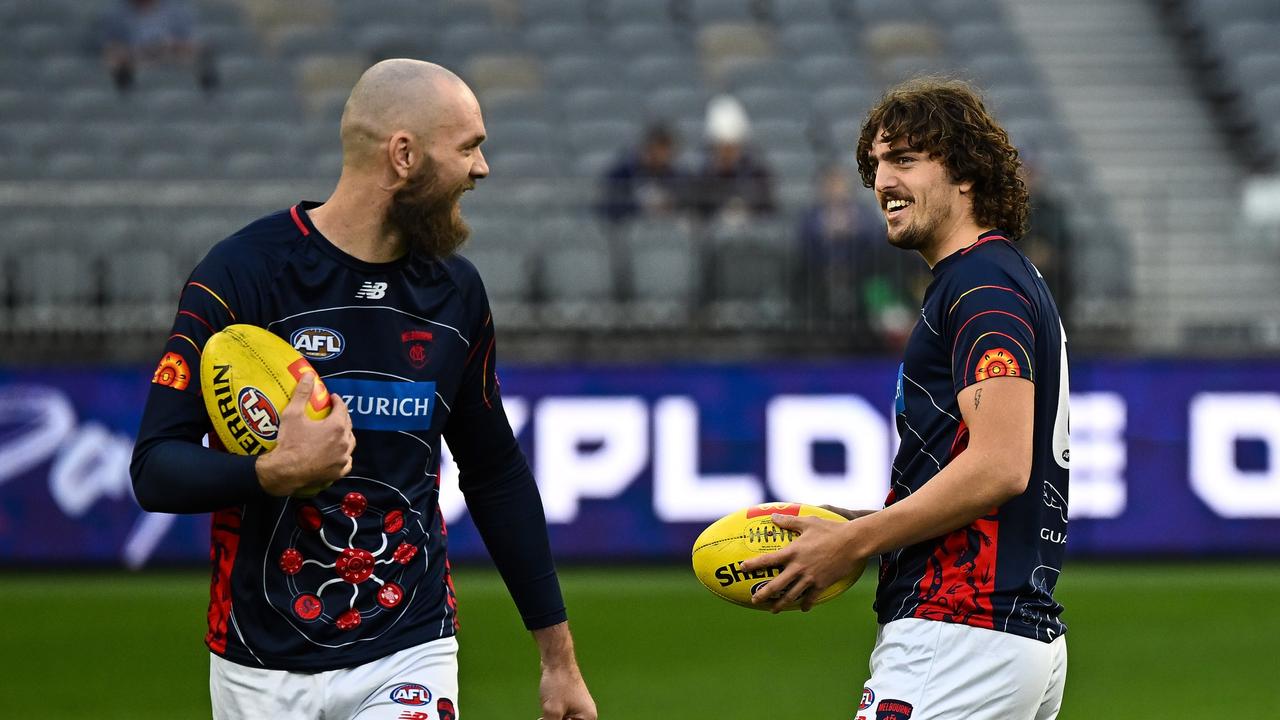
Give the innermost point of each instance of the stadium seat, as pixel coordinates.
(557, 38)
(831, 71)
(509, 105)
(559, 11)
(661, 72)
(810, 39)
(843, 103)
(578, 275)
(663, 272)
(976, 38)
(778, 103)
(808, 11)
(750, 278)
(704, 12)
(725, 45)
(645, 38)
(603, 135)
(598, 103)
(55, 289)
(878, 11)
(568, 72)
(503, 72)
(619, 12)
(509, 279)
(139, 287)
(954, 12)
(671, 104)
(461, 42)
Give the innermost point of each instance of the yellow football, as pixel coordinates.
(720, 549)
(247, 376)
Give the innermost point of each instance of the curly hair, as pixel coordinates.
(947, 119)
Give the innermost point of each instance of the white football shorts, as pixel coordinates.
(930, 670)
(419, 683)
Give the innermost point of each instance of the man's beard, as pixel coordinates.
(429, 218)
(921, 232)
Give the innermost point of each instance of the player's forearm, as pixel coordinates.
(176, 476)
(555, 646)
(971, 486)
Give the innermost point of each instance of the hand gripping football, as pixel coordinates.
(247, 376)
(720, 549)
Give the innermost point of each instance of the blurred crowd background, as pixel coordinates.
(670, 179)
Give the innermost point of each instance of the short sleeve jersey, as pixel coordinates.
(987, 314)
(359, 571)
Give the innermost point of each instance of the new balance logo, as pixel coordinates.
(372, 291)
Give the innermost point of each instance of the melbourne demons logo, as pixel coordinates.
(258, 413)
(415, 346)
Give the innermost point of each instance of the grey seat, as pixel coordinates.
(509, 279)
(653, 72)
(582, 71)
(676, 103)
(556, 38)
(629, 11)
(976, 37)
(602, 135)
(812, 39)
(663, 272)
(54, 289)
(462, 41)
(139, 287)
(392, 39)
(843, 103)
(750, 277)
(578, 275)
(815, 11)
(602, 104)
(780, 134)
(511, 136)
(648, 38)
(711, 11)
(515, 105)
(880, 10)
(838, 70)
(538, 11)
(954, 12)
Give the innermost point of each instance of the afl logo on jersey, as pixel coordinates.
(410, 694)
(317, 343)
(258, 413)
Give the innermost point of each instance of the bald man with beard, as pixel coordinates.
(331, 595)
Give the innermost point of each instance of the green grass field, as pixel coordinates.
(1146, 641)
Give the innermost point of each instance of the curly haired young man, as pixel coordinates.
(972, 534)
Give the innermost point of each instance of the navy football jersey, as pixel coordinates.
(360, 570)
(987, 314)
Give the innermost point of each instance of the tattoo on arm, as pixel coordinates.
(977, 399)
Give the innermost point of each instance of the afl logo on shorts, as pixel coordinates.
(317, 343)
(258, 413)
(410, 694)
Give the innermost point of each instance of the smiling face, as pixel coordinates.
(425, 211)
(921, 203)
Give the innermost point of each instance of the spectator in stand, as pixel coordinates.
(1047, 242)
(848, 268)
(153, 31)
(734, 183)
(645, 181)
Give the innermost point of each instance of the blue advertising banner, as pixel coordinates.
(1168, 457)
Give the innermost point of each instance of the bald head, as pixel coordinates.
(402, 95)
